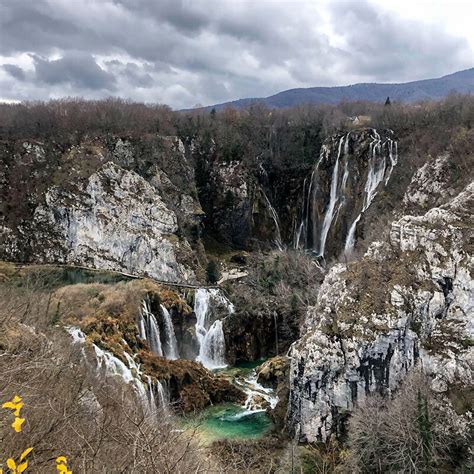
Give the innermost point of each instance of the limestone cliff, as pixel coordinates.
(408, 301)
(97, 204)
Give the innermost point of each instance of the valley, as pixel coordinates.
(233, 288)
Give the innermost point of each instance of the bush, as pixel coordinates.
(415, 431)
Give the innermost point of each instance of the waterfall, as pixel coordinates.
(130, 373)
(301, 238)
(210, 337)
(171, 345)
(393, 156)
(322, 214)
(375, 176)
(273, 213)
(148, 328)
(332, 202)
(212, 350)
(256, 392)
(158, 395)
(275, 321)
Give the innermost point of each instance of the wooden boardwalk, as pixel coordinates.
(174, 284)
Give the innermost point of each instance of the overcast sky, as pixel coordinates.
(188, 52)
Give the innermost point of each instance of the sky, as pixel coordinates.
(189, 52)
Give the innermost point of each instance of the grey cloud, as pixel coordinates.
(185, 16)
(14, 71)
(79, 70)
(136, 75)
(379, 44)
(190, 51)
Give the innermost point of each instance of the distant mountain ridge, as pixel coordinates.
(427, 89)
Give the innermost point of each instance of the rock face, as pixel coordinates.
(408, 301)
(252, 335)
(236, 205)
(115, 220)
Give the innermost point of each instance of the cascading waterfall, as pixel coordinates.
(148, 328)
(158, 395)
(112, 366)
(333, 197)
(276, 221)
(210, 337)
(375, 175)
(171, 345)
(301, 234)
(212, 350)
(315, 225)
(256, 392)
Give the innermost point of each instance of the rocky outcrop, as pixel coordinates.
(256, 333)
(274, 373)
(236, 207)
(408, 301)
(432, 185)
(116, 220)
(122, 203)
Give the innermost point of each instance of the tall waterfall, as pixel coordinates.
(276, 221)
(333, 197)
(342, 185)
(376, 173)
(210, 335)
(171, 345)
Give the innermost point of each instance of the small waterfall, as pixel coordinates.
(393, 156)
(171, 345)
(276, 221)
(148, 328)
(130, 373)
(210, 336)
(301, 237)
(212, 350)
(275, 321)
(254, 391)
(158, 395)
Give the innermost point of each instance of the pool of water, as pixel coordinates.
(232, 422)
(228, 420)
(241, 369)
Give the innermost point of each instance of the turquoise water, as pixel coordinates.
(232, 422)
(239, 370)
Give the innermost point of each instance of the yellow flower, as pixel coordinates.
(16, 425)
(16, 405)
(18, 469)
(61, 465)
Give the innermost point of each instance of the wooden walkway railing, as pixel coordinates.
(20, 265)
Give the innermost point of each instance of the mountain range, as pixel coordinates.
(427, 89)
